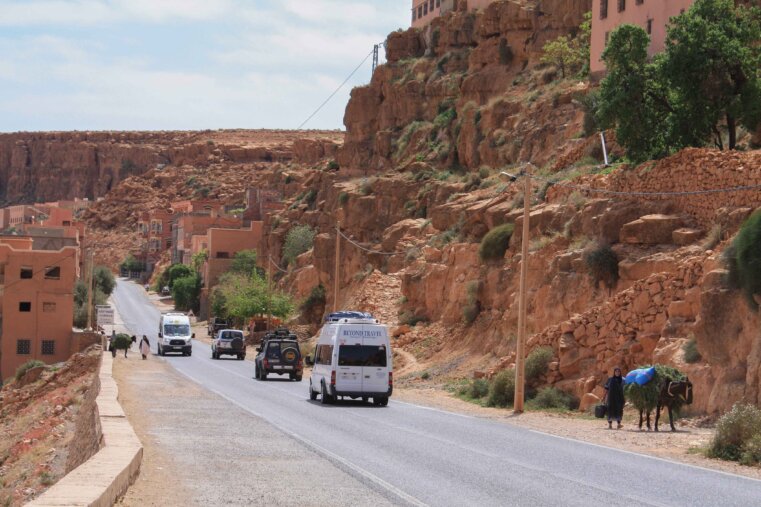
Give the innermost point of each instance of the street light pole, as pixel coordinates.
(336, 280)
(520, 352)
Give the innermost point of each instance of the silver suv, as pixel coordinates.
(229, 342)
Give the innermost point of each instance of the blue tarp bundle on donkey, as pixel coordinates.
(640, 377)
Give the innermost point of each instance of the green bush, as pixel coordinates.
(132, 264)
(244, 262)
(602, 263)
(744, 259)
(122, 341)
(333, 166)
(646, 397)
(343, 198)
(691, 354)
(537, 362)
(310, 197)
(412, 319)
(366, 187)
(172, 273)
(738, 435)
(104, 280)
(472, 307)
(502, 389)
(298, 240)
(478, 388)
(186, 292)
(495, 243)
(551, 397)
(315, 299)
(21, 371)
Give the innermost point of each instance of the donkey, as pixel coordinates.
(671, 394)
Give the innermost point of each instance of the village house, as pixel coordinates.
(36, 301)
(155, 230)
(221, 246)
(196, 223)
(424, 11)
(652, 15)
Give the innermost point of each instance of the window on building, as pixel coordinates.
(607, 37)
(2, 273)
(169, 243)
(438, 3)
(603, 9)
(414, 14)
(420, 11)
(223, 255)
(26, 272)
(431, 5)
(25, 306)
(66, 223)
(621, 5)
(649, 26)
(48, 307)
(640, 2)
(53, 273)
(23, 347)
(48, 347)
(425, 9)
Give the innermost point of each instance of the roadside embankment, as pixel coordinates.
(104, 477)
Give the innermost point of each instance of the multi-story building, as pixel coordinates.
(222, 245)
(195, 223)
(36, 301)
(423, 11)
(652, 15)
(155, 229)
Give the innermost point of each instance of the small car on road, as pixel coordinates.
(215, 324)
(279, 353)
(229, 342)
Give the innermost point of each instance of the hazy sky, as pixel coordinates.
(184, 64)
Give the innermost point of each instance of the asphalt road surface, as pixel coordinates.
(421, 456)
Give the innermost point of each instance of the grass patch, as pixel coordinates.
(552, 398)
(21, 371)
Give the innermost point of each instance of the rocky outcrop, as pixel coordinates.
(64, 165)
(462, 91)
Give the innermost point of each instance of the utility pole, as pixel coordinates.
(269, 291)
(520, 352)
(336, 275)
(89, 277)
(375, 58)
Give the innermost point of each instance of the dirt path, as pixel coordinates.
(682, 445)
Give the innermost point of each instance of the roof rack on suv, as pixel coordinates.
(279, 334)
(337, 316)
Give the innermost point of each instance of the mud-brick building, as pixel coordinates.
(222, 245)
(36, 303)
(155, 229)
(424, 11)
(652, 15)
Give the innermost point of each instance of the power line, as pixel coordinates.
(337, 89)
(365, 248)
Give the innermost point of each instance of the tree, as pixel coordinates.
(80, 303)
(199, 259)
(132, 264)
(632, 99)
(172, 273)
(711, 65)
(242, 297)
(186, 291)
(104, 280)
(569, 54)
(244, 262)
(298, 240)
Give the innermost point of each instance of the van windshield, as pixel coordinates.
(362, 355)
(176, 330)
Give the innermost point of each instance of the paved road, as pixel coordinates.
(417, 455)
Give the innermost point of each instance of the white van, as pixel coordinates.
(352, 359)
(174, 334)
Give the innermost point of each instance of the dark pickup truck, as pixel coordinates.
(215, 324)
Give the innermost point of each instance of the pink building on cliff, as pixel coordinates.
(423, 11)
(651, 15)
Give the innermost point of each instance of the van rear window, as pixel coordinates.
(361, 355)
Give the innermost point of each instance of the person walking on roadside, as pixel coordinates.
(145, 347)
(614, 398)
(112, 343)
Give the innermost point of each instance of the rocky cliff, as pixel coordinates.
(64, 165)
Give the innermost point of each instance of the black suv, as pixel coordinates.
(228, 342)
(215, 324)
(279, 353)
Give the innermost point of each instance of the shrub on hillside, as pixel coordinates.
(738, 435)
(315, 299)
(298, 240)
(602, 263)
(691, 354)
(495, 243)
(21, 371)
(343, 198)
(537, 362)
(472, 307)
(744, 259)
(551, 397)
(502, 389)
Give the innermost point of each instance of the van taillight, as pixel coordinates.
(333, 377)
(390, 379)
